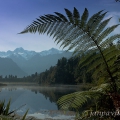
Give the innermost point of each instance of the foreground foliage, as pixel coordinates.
(5, 112)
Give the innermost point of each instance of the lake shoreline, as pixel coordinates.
(85, 86)
(2, 84)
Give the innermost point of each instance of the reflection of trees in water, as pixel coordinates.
(11, 88)
(50, 93)
(53, 94)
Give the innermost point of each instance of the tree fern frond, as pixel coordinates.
(45, 28)
(69, 15)
(100, 72)
(49, 18)
(52, 18)
(72, 37)
(50, 27)
(85, 58)
(92, 20)
(41, 28)
(69, 30)
(96, 23)
(61, 16)
(76, 16)
(88, 44)
(101, 88)
(111, 55)
(110, 39)
(45, 19)
(56, 28)
(40, 21)
(95, 64)
(61, 32)
(77, 99)
(36, 23)
(106, 32)
(84, 18)
(89, 59)
(101, 27)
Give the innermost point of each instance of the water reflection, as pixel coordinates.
(36, 98)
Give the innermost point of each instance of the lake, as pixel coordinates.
(37, 99)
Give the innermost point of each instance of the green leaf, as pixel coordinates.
(76, 16)
(23, 118)
(69, 15)
(84, 18)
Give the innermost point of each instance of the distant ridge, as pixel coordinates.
(8, 67)
(31, 61)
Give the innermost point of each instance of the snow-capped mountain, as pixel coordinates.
(20, 52)
(30, 61)
(50, 52)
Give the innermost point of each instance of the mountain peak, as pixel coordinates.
(53, 49)
(50, 51)
(20, 49)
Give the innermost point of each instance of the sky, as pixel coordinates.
(16, 15)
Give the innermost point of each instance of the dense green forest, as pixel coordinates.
(66, 71)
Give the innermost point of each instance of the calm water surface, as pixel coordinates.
(34, 98)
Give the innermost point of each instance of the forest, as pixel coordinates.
(66, 71)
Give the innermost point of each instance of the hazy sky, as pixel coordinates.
(15, 15)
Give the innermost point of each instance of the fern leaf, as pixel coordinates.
(96, 23)
(69, 15)
(110, 39)
(61, 16)
(84, 18)
(101, 27)
(69, 30)
(76, 99)
(60, 32)
(56, 28)
(106, 33)
(92, 20)
(76, 16)
(51, 27)
(73, 37)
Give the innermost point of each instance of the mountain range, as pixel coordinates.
(29, 62)
(28, 54)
